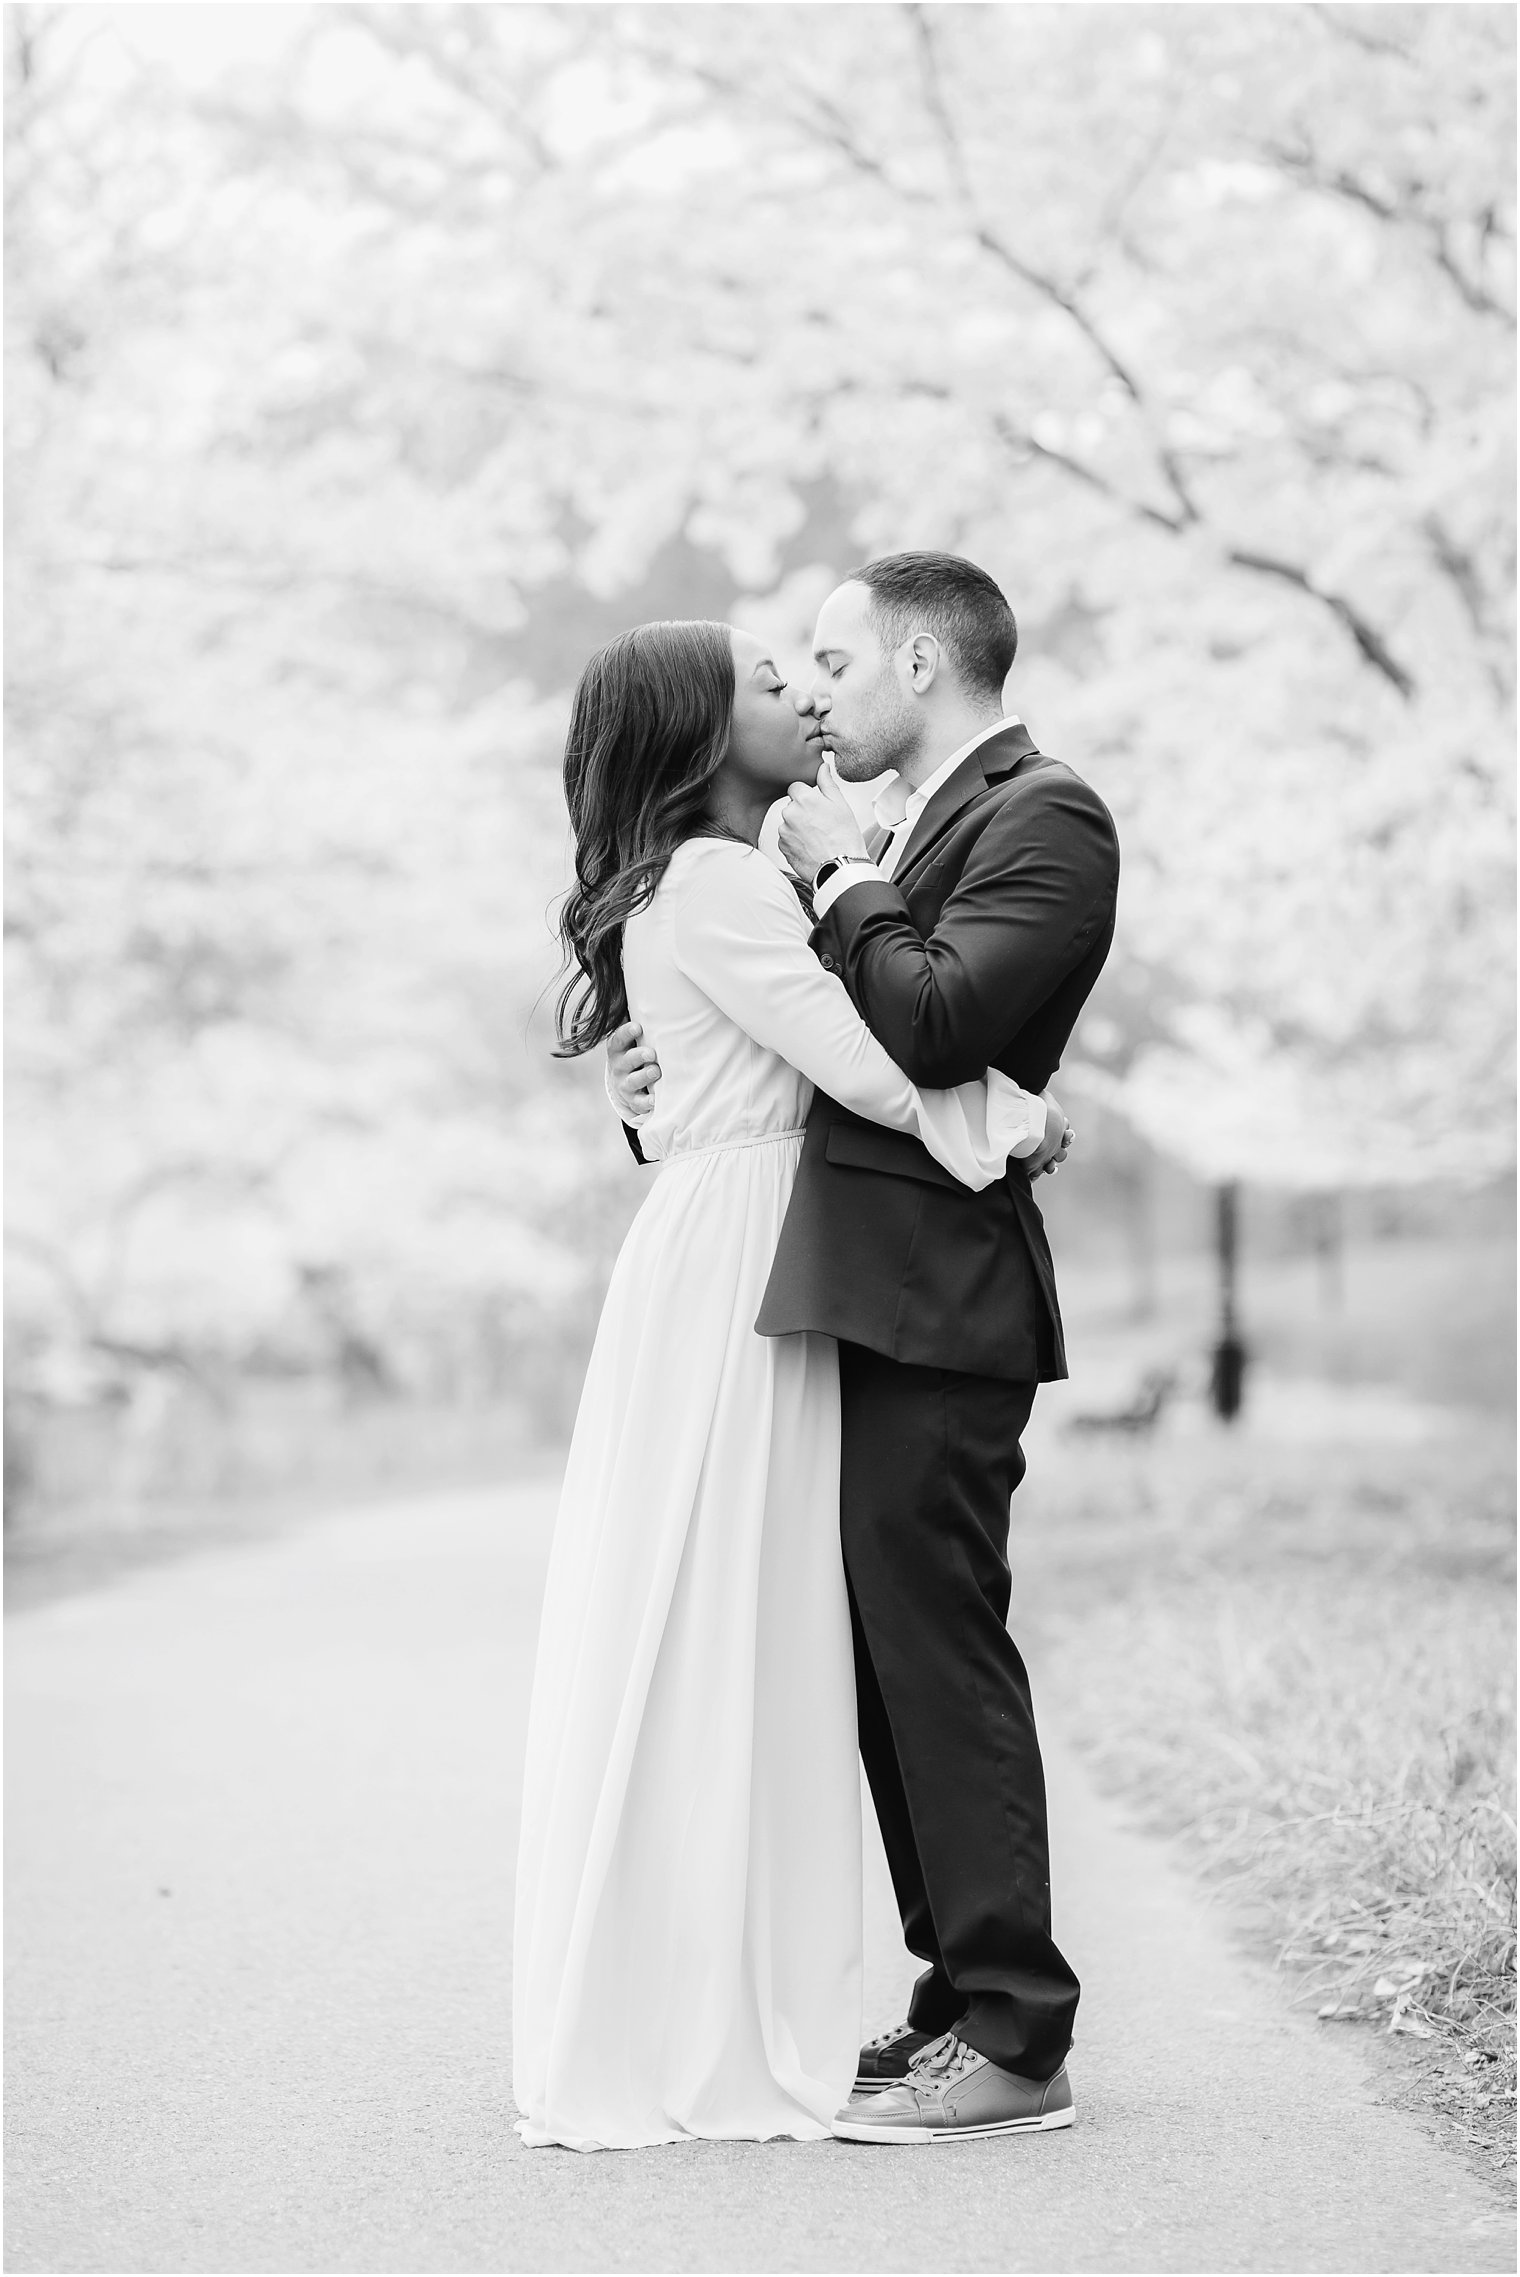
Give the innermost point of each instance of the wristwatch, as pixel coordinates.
(842, 862)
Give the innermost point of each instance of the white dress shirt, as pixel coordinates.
(897, 809)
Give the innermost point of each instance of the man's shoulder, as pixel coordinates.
(1039, 775)
(1040, 784)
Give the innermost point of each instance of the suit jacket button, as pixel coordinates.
(829, 964)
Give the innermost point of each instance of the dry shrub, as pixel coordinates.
(1301, 1661)
(1336, 1761)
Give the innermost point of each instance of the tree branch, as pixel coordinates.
(1347, 28)
(474, 80)
(1371, 643)
(992, 242)
(1340, 182)
(1482, 303)
(1020, 439)
(1368, 639)
(824, 122)
(1459, 568)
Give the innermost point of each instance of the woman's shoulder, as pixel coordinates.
(694, 854)
(703, 849)
(723, 880)
(707, 866)
(692, 862)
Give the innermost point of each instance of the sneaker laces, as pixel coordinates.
(885, 2039)
(945, 2059)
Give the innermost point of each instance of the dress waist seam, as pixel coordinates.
(730, 1146)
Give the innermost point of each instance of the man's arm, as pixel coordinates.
(1036, 891)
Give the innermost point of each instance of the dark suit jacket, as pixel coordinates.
(979, 953)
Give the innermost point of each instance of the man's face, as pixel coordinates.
(862, 709)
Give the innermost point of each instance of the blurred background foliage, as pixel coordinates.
(366, 365)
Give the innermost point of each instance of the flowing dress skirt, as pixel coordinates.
(687, 1941)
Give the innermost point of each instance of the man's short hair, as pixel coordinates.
(960, 604)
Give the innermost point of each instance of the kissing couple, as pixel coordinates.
(783, 1530)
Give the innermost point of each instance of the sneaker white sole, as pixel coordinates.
(906, 2138)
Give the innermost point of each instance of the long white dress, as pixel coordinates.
(687, 1942)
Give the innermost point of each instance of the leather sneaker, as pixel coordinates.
(884, 2060)
(952, 2094)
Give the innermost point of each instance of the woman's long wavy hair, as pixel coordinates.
(649, 729)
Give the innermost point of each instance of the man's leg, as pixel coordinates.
(930, 1459)
(936, 2004)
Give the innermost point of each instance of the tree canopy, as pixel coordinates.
(1194, 325)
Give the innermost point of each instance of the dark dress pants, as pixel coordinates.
(930, 1460)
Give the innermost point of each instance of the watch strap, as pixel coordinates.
(842, 862)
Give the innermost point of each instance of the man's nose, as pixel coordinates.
(815, 701)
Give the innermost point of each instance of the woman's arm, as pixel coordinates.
(740, 935)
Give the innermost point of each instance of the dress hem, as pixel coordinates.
(543, 2138)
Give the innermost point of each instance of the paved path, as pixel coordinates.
(261, 1824)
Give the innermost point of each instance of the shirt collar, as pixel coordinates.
(895, 804)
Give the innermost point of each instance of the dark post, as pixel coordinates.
(1227, 1383)
(1329, 1252)
(1135, 1184)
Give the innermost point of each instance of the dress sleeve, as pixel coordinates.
(742, 937)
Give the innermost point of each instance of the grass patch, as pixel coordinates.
(1298, 1658)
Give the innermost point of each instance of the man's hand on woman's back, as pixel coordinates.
(632, 1072)
(1056, 1144)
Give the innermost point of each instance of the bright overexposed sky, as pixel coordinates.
(202, 42)
(200, 39)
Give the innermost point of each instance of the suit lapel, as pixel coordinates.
(991, 762)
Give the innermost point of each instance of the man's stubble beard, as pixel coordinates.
(889, 737)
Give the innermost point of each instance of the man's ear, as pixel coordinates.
(923, 662)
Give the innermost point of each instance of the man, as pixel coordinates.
(969, 933)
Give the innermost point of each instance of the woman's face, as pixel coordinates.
(767, 747)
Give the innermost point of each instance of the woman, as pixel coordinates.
(687, 1949)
